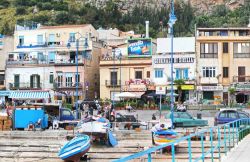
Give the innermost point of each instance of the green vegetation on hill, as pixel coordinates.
(59, 12)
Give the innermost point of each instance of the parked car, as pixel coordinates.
(184, 119)
(130, 120)
(229, 115)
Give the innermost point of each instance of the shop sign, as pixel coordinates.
(183, 87)
(68, 93)
(175, 60)
(210, 88)
(134, 88)
(160, 90)
(138, 82)
(151, 87)
(242, 87)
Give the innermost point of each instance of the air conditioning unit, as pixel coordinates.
(58, 34)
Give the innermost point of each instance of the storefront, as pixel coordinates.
(67, 96)
(187, 91)
(210, 92)
(242, 93)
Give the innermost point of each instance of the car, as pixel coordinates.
(229, 115)
(184, 119)
(130, 120)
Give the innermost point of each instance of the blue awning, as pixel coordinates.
(4, 93)
(29, 94)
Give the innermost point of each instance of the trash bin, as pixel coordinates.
(198, 115)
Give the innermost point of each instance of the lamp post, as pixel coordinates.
(171, 22)
(77, 73)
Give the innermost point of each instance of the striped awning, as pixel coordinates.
(4, 93)
(29, 94)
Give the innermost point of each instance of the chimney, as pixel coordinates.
(147, 29)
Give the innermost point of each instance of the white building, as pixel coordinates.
(183, 67)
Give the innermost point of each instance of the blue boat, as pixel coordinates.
(75, 148)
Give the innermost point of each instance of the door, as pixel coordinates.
(241, 73)
(225, 98)
(52, 56)
(16, 81)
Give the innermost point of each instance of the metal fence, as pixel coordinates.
(221, 139)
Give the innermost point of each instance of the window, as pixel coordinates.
(242, 50)
(208, 72)
(16, 80)
(223, 114)
(21, 40)
(225, 72)
(59, 79)
(138, 74)
(39, 39)
(1, 79)
(113, 75)
(69, 77)
(72, 37)
(225, 47)
(35, 81)
(51, 78)
(185, 116)
(148, 74)
(181, 73)
(77, 78)
(209, 50)
(232, 114)
(52, 57)
(158, 73)
(242, 115)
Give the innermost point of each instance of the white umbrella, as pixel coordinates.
(126, 95)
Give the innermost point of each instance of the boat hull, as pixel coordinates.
(76, 157)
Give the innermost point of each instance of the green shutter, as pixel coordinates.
(38, 81)
(31, 81)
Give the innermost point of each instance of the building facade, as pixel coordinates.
(127, 68)
(223, 62)
(184, 64)
(44, 58)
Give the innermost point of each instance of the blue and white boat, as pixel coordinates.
(75, 148)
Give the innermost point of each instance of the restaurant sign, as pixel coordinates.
(210, 88)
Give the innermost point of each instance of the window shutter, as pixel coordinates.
(186, 73)
(31, 81)
(38, 81)
(177, 74)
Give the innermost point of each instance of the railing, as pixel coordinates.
(113, 83)
(241, 55)
(241, 78)
(209, 55)
(27, 85)
(67, 85)
(45, 61)
(227, 135)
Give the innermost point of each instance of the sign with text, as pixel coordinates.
(139, 47)
(210, 88)
(160, 90)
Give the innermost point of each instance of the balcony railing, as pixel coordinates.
(45, 61)
(27, 85)
(209, 55)
(58, 85)
(113, 83)
(241, 55)
(241, 78)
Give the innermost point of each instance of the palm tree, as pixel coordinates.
(232, 94)
(179, 83)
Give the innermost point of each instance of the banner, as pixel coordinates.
(139, 47)
(160, 90)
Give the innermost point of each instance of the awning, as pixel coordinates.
(29, 94)
(4, 93)
(138, 94)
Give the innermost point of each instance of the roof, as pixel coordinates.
(64, 26)
(233, 28)
(181, 44)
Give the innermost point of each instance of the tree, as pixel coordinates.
(231, 91)
(179, 83)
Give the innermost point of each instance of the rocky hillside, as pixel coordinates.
(201, 6)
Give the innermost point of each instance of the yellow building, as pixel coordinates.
(123, 70)
(223, 61)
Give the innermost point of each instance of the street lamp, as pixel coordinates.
(77, 74)
(171, 22)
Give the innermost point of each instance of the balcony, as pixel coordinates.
(32, 45)
(24, 86)
(113, 83)
(241, 79)
(17, 62)
(65, 85)
(241, 55)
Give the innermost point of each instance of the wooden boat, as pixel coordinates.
(75, 148)
(164, 136)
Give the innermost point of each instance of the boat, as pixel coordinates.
(164, 136)
(75, 148)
